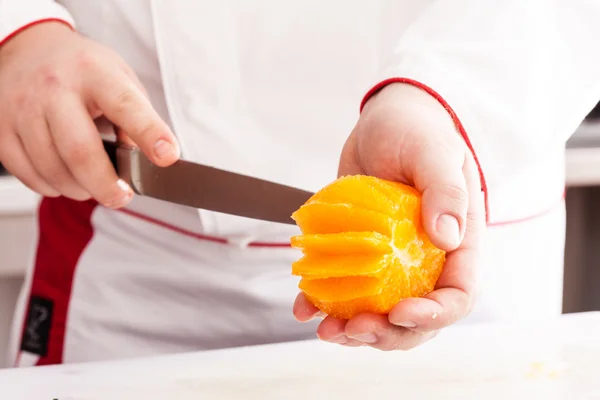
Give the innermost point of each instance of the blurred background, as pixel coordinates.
(18, 206)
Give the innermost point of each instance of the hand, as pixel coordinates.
(405, 135)
(54, 84)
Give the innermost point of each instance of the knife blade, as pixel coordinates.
(200, 186)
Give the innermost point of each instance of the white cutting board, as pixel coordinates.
(543, 360)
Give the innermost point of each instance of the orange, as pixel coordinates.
(364, 248)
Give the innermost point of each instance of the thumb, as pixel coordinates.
(438, 175)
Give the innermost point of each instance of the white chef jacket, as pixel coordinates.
(272, 89)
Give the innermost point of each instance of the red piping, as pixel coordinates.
(455, 119)
(29, 25)
(194, 234)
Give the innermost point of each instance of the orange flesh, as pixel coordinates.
(364, 247)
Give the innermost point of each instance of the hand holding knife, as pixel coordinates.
(200, 186)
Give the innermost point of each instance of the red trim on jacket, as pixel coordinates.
(195, 235)
(455, 119)
(29, 25)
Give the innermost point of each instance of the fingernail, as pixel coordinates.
(163, 149)
(406, 324)
(319, 314)
(338, 339)
(369, 337)
(124, 186)
(447, 226)
(125, 196)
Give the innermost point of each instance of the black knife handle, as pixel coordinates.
(111, 150)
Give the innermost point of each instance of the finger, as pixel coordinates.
(437, 310)
(304, 310)
(123, 103)
(332, 330)
(131, 74)
(123, 137)
(44, 157)
(455, 290)
(438, 175)
(15, 160)
(80, 146)
(376, 331)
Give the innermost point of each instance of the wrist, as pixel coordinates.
(43, 29)
(406, 96)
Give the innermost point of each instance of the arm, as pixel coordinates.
(517, 76)
(17, 15)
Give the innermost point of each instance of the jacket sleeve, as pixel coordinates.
(518, 77)
(16, 15)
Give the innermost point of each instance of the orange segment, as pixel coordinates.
(341, 289)
(340, 298)
(335, 218)
(343, 243)
(406, 198)
(358, 191)
(317, 266)
(364, 248)
(346, 309)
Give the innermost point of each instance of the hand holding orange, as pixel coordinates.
(390, 249)
(364, 247)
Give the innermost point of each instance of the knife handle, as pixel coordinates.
(111, 150)
(107, 132)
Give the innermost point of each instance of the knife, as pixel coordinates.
(200, 186)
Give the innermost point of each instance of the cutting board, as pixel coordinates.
(556, 359)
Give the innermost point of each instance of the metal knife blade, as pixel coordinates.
(204, 187)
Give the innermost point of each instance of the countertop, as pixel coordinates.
(549, 359)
